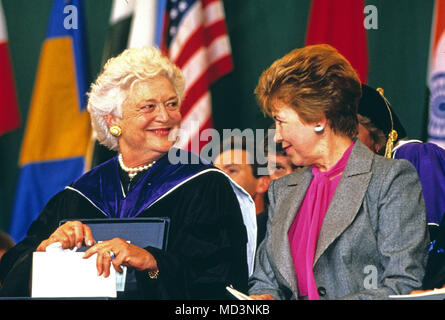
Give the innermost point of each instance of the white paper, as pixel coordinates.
(237, 294)
(436, 294)
(69, 275)
(57, 247)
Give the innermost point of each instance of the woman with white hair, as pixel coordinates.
(135, 110)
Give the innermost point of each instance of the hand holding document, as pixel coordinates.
(60, 273)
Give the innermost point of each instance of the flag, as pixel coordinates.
(195, 38)
(341, 25)
(120, 22)
(436, 79)
(10, 118)
(58, 129)
(132, 24)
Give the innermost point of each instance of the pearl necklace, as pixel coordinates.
(133, 171)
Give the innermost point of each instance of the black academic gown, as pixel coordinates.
(206, 247)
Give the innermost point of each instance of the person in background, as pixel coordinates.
(135, 110)
(279, 163)
(377, 121)
(237, 158)
(348, 209)
(381, 130)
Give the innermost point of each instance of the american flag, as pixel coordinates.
(195, 38)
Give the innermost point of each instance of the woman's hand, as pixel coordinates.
(120, 253)
(262, 297)
(71, 234)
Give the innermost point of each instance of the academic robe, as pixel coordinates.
(206, 246)
(429, 161)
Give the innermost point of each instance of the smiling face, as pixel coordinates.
(297, 138)
(149, 116)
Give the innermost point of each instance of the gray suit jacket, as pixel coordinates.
(373, 241)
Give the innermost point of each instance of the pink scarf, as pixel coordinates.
(304, 232)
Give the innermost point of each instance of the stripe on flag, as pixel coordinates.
(195, 39)
(10, 118)
(436, 126)
(58, 129)
(142, 31)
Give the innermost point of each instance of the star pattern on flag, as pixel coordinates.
(176, 11)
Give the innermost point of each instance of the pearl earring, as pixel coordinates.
(319, 129)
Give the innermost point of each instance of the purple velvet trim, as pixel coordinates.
(429, 161)
(102, 185)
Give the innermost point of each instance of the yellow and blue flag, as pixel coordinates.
(58, 130)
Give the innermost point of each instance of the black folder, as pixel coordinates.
(142, 232)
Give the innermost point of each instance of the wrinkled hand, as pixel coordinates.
(262, 297)
(71, 234)
(120, 253)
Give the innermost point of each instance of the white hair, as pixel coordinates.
(119, 75)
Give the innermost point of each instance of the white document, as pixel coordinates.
(436, 294)
(237, 294)
(68, 275)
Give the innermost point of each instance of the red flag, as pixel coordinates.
(339, 23)
(9, 112)
(196, 41)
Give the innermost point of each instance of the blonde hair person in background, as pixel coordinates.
(135, 109)
(348, 208)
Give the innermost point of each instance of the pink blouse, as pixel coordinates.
(304, 231)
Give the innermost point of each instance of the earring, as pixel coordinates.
(319, 129)
(115, 131)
